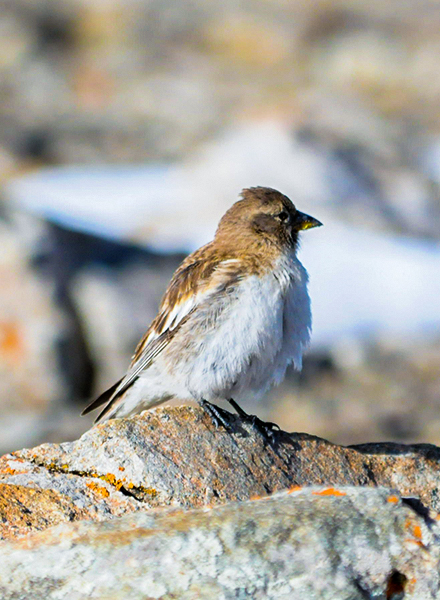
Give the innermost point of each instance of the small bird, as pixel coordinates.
(234, 316)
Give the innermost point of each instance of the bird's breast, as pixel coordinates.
(241, 343)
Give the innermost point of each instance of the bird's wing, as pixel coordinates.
(191, 286)
(196, 280)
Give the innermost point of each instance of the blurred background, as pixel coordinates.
(127, 127)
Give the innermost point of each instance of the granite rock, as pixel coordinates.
(317, 543)
(173, 456)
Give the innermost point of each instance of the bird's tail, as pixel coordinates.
(107, 397)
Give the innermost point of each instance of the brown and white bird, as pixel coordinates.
(236, 313)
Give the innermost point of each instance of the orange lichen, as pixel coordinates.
(393, 499)
(150, 491)
(111, 479)
(294, 488)
(99, 489)
(10, 471)
(417, 532)
(329, 492)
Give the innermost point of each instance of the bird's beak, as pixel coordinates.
(303, 221)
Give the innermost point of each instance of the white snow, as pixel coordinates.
(363, 284)
(171, 206)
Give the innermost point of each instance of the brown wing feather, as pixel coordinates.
(193, 275)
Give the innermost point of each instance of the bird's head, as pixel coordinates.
(264, 215)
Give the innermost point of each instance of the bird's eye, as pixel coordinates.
(283, 215)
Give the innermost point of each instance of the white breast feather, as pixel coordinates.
(262, 332)
(297, 320)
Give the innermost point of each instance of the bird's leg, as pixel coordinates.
(243, 414)
(266, 429)
(215, 414)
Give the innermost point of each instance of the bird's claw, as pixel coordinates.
(219, 417)
(265, 428)
(216, 414)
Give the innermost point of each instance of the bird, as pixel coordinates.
(235, 314)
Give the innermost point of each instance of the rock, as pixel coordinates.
(172, 456)
(318, 543)
(28, 508)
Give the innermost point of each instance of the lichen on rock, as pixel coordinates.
(236, 517)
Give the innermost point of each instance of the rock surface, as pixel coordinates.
(317, 543)
(173, 456)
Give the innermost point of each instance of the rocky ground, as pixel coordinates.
(317, 543)
(230, 514)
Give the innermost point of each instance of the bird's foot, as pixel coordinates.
(217, 415)
(265, 428)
